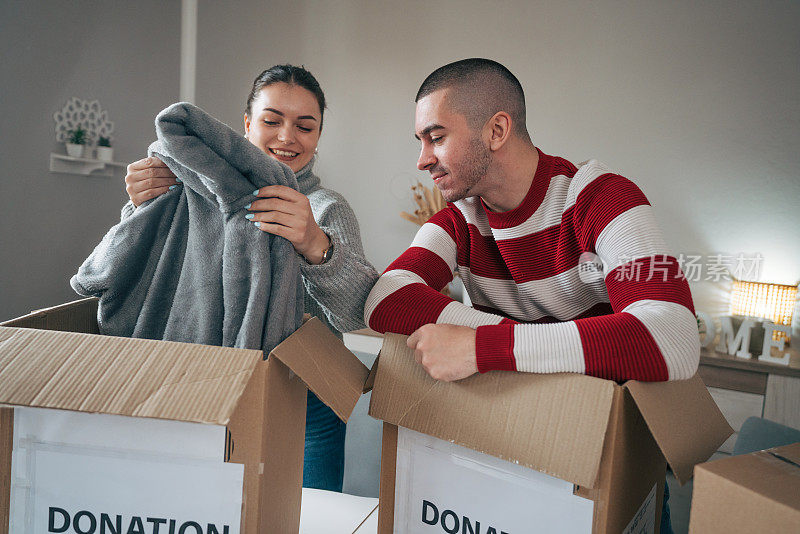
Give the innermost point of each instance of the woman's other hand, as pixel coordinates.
(148, 178)
(282, 211)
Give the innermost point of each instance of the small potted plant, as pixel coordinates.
(104, 150)
(75, 142)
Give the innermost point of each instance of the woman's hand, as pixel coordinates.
(282, 211)
(148, 178)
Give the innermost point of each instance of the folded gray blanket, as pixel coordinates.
(187, 265)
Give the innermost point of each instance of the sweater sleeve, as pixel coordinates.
(340, 285)
(652, 334)
(407, 295)
(127, 210)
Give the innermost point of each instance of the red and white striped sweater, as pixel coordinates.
(577, 278)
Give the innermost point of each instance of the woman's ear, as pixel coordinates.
(499, 130)
(246, 125)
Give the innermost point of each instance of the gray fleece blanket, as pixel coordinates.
(187, 266)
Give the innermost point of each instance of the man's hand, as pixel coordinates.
(447, 352)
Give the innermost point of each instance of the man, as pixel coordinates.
(566, 268)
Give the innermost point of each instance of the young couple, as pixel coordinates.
(565, 265)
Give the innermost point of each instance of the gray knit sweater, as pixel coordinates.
(336, 290)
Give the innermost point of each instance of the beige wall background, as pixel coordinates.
(698, 102)
(124, 54)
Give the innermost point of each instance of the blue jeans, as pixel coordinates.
(666, 523)
(323, 461)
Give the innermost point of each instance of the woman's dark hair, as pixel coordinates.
(292, 75)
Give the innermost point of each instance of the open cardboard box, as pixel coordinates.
(251, 412)
(594, 448)
(501, 447)
(756, 492)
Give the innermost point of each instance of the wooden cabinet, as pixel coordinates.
(782, 402)
(747, 387)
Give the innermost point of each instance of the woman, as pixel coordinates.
(283, 117)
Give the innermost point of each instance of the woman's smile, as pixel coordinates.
(282, 155)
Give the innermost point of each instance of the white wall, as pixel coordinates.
(126, 55)
(698, 102)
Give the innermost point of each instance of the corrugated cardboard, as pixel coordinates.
(757, 492)
(122, 376)
(552, 423)
(632, 464)
(678, 416)
(76, 316)
(387, 481)
(591, 432)
(328, 368)
(53, 358)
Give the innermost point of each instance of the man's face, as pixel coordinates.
(453, 153)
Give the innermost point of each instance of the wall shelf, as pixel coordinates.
(83, 166)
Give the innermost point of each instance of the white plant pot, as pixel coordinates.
(76, 151)
(105, 153)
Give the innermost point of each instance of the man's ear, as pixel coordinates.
(498, 129)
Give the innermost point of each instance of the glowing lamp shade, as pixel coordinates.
(766, 301)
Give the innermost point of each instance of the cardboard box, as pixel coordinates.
(176, 404)
(757, 492)
(591, 450)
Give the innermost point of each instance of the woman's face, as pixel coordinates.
(284, 122)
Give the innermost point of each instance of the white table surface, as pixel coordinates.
(328, 512)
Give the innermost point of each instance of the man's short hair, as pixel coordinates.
(480, 88)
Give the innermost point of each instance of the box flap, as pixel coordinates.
(555, 424)
(327, 367)
(123, 376)
(369, 383)
(76, 316)
(684, 420)
(789, 453)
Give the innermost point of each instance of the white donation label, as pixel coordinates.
(68, 488)
(445, 488)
